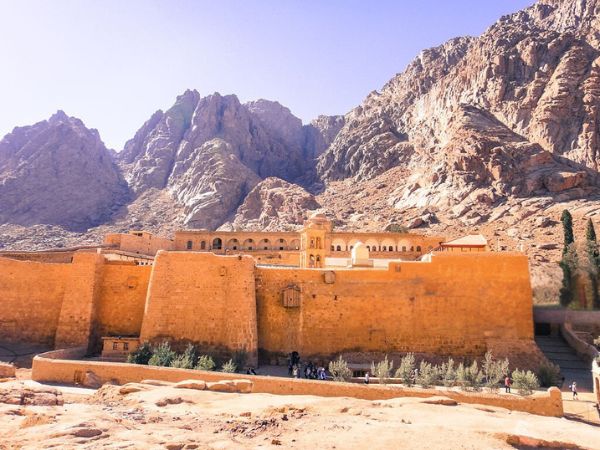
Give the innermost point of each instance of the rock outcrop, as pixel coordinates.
(58, 172)
(274, 204)
(513, 112)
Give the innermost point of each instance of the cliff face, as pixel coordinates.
(58, 172)
(514, 112)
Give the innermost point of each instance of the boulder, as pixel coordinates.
(199, 385)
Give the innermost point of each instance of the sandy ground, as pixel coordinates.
(209, 420)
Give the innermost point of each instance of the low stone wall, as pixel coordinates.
(582, 348)
(51, 368)
(580, 319)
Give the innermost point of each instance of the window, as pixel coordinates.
(125, 345)
(202, 245)
(189, 245)
(339, 248)
(384, 248)
(412, 249)
(250, 248)
(333, 248)
(390, 249)
(235, 247)
(217, 244)
(418, 248)
(403, 248)
(115, 346)
(280, 241)
(280, 248)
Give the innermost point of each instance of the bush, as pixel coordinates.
(525, 382)
(447, 373)
(493, 371)
(205, 362)
(141, 355)
(229, 367)
(186, 359)
(470, 377)
(406, 369)
(597, 342)
(339, 370)
(383, 370)
(428, 374)
(548, 375)
(162, 355)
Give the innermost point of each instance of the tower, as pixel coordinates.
(314, 242)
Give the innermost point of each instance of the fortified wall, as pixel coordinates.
(456, 299)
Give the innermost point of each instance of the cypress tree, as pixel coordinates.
(594, 261)
(568, 258)
(567, 221)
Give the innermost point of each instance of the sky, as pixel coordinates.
(112, 63)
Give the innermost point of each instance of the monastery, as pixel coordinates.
(317, 291)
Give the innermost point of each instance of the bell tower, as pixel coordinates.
(314, 244)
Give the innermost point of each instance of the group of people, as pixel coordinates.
(309, 371)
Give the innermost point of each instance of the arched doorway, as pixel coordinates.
(217, 244)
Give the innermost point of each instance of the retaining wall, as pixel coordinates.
(51, 367)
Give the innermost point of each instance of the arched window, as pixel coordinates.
(390, 249)
(332, 248)
(418, 248)
(339, 248)
(203, 245)
(189, 245)
(384, 248)
(412, 249)
(369, 247)
(217, 244)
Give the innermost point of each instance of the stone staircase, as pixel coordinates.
(572, 367)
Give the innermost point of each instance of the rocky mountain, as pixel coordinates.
(209, 152)
(512, 113)
(273, 204)
(493, 134)
(58, 172)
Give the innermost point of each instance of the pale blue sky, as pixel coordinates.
(112, 63)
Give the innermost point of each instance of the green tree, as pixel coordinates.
(593, 255)
(205, 362)
(186, 360)
(162, 355)
(339, 370)
(567, 222)
(141, 355)
(383, 370)
(568, 263)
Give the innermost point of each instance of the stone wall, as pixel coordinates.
(123, 290)
(50, 368)
(205, 299)
(451, 305)
(31, 295)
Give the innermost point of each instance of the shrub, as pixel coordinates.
(186, 359)
(141, 355)
(469, 377)
(205, 362)
(597, 342)
(548, 375)
(162, 355)
(339, 370)
(428, 374)
(229, 367)
(383, 370)
(525, 382)
(447, 373)
(406, 369)
(493, 371)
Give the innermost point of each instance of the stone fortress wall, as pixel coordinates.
(447, 303)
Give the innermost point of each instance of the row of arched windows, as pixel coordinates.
(248, 244)
(383, 248)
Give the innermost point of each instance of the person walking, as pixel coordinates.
(507, 384)
(367, 377)
(574, 390)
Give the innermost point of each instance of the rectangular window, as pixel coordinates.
(115, 346)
